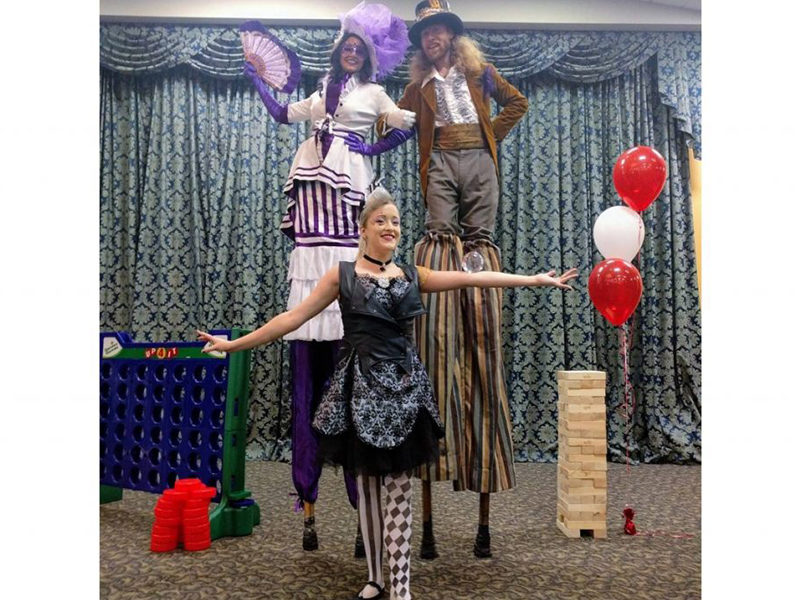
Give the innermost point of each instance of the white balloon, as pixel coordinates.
(619, 233)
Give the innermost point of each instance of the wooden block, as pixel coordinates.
(592, 509)
(596, 434)
(576, 468)
(570, 533)
(587, 494)
(587, 409)
(583, 385)
(586, 396)
(579, 486)
(583, 474)
(564, 406)
(590, 425)
(598, 532)
(570, 518)
(589, 466)
(583, 486)
(585, 442)
(576, 454)
(597, 412)
(590, 452)
(584, 417)
(593, 498)
(580, 375)
(584, 524)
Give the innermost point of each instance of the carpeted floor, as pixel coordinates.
(532, 558)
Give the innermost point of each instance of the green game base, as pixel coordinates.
(229, 521)
(109, 494)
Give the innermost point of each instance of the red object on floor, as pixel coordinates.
(630, 527)
(188, 485)
(182, 517)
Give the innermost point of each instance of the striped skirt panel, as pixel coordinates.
(488, 448)
(438, 335)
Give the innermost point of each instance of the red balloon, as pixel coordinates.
(615, 288)
(639, 176)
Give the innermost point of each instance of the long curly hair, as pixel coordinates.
(466, 55)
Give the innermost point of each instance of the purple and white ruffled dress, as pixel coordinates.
(327, 186)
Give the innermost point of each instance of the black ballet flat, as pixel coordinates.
(381, 592)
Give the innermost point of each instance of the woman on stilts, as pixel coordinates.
(327, 186)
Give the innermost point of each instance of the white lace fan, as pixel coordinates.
(278, 66)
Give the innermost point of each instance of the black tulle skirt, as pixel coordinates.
(354, 456)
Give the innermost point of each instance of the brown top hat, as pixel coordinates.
(431, 12)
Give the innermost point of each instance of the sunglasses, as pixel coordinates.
(354, 49)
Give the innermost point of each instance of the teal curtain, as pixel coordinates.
(192, 170)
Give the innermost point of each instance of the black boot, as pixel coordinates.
(310, 535)
(360, 552)
(483, 543)
(428, 547)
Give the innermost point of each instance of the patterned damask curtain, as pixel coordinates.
(191, 176)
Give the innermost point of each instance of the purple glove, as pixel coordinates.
(276, 110)
(395, 138)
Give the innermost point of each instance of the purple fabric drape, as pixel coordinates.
(312, 367)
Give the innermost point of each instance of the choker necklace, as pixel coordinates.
(381, 265)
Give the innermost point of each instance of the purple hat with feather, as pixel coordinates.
(385, 35)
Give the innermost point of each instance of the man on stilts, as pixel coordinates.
(460, 338)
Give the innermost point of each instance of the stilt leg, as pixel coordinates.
(483, 544)
(309, 528)
(428, 547)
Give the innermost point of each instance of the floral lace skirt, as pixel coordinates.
(379, 422)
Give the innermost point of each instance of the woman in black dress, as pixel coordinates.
(378, 418)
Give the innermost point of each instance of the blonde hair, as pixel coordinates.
(377, 199)
(466, 55)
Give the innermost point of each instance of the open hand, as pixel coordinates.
(214, 344)
(560, 281)
(356, 144)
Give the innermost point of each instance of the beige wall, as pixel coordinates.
(540, 14)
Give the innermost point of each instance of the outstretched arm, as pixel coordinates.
(440, 281)
(277, 110)
(326, 292)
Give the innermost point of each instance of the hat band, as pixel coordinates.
(428, 12)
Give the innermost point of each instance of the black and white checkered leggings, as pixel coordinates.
(390, 527)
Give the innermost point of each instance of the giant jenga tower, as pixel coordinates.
(582, 468)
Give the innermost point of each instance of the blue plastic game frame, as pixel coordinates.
(170, 411)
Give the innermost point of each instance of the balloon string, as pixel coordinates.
(656, 532)
(623, 343)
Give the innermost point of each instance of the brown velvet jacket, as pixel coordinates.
(423, 102)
